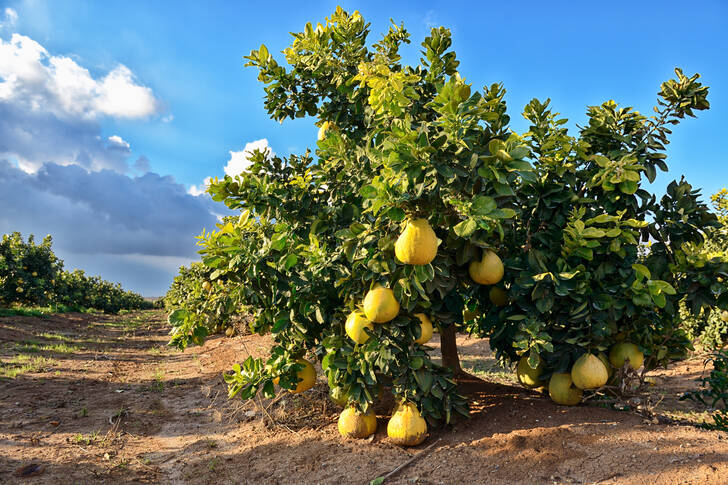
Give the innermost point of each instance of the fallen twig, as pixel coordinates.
(382, 479)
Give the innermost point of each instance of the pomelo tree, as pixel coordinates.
(420, 204)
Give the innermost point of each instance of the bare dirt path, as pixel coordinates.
(100, 399)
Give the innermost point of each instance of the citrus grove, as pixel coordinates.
(420, 210)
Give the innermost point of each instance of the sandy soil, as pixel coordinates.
(104, 401)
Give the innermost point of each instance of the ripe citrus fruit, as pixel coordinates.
(562, 390)
(417, 244)
(487, 271)
(426, 327)
(528, 376)
(356, 322)
(306, 377)
(380, 305)
(622, 351)
(355, 424)
(407, 427)
(497, 296)
(589, 372)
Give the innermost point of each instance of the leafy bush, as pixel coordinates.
(194, 298)
(714, 390)
(567, 215)
(32, 275)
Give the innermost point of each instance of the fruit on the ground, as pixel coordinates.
(622, 351)
(306, 377)
(355, 424)
(425, 327)
(206, 286)
(339, 396)
(562, 390)
(528, 376)
(497, 296)
(407, 427)
(724, 316)
(230, 332)
(488, 270)
(356, 322)
(605, 361)
(589, 372)
(380, 306)
(417, 244)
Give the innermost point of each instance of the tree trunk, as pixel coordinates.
(449, 349)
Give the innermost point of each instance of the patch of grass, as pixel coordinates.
(89, 439)
(158, 385)
(488, 369)
(40, 311)
(55, 336)
(30, 346)
(23, 364)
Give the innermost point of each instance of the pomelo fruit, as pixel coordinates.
(528, 376)
(589, 372)
(562, 391)
(498, 296)
(356, 322)
(380, 305)
(407, 427)
(355, 424)
(417, 244)
(487, 271)
(426, 327)
(622, 351)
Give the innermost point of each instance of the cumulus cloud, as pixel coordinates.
(39, 81)
(240, 161)
(50, 108)
(198, 190)
(142, 165)
(103, 212)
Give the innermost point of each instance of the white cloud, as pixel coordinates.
(40, 81)
(198, 190)
(168, 119)
(50, 108)
(11, 16)
(117, 140)
(240, 161)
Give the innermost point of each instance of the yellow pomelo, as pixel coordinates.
(417, 244)
(355, 325)
(426, 327)
(487, 271)
(306, 377)
(498, 297)
(620, 352)
(528, 376)
(724, 316)
(380, 305)
(562, 391)
(407, 427)
(589, 372)
(470, 314)
(606, 363)
(355, 424)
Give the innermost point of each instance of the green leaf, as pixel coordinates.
(466, 228)
(377, 481)
(483, 205)
(368, 192)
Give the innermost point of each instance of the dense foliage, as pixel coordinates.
(567, 214)
(32, 275)
(193, 297)
(710, 326)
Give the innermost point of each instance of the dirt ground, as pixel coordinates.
(100, 399)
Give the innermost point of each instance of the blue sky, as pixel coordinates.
(201, 104)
